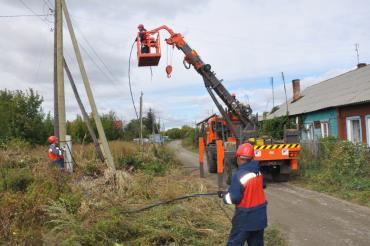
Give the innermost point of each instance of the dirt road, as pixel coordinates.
(307, 217)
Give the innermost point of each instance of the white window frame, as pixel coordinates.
(349, 125)
(324, 124)
(367, 118)
(310, 131)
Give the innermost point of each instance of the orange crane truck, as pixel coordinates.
(236, 125)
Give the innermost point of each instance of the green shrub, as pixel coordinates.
(128, 161)
(71, 201)
(92, 168)
(15, 180)
(341, 167)
(156, 168)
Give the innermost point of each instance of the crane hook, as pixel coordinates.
(169, 71)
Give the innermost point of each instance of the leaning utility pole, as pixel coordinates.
(62, 131)
(83, 112)
(85, 79)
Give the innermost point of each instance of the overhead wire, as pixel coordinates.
(17, 16)
(109, 73)
(34, 12)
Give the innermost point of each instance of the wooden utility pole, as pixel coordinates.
(141, 124)
(83, 112)
(99, 126)
(62, 131)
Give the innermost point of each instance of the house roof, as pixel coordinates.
(352, 87)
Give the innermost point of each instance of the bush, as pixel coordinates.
(275, 127)
(15, 180)
(92, 168)
(71, 201)
(129, 161)
(341, 167)
(155, 168)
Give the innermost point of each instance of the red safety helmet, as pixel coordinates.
(52, 139)
(140, 26)
(233, 94)
(245, 150)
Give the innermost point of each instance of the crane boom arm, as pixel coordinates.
(212, 83)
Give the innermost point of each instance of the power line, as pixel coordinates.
(47, 3)
(95, 53)
(34, 12)
(112, 78)
(16, 16)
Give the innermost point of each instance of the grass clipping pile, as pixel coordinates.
(41, 205)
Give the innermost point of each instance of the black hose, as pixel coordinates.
(129, 79)
(170, 201)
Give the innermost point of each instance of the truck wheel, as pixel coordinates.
(280, 177)
(211, 163)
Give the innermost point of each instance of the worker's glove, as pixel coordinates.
(221, 194)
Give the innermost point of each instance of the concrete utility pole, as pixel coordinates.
(59, 72)
(83, 112)
(141, 123)
(273, 94)
(56, 118)
(99, 126)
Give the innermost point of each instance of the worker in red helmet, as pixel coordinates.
(142, 31)
(246, 192)
(55, 153)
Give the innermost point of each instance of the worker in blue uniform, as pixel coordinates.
(246, 192)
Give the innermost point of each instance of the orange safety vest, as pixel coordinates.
(53, 156)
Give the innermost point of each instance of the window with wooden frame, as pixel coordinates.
(354, 131)
(324, 129)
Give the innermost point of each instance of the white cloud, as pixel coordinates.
(242, 40)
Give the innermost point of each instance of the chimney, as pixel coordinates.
(360, 65)
(296, 89)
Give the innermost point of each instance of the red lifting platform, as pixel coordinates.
(148, 49)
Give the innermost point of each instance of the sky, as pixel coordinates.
(246, 42)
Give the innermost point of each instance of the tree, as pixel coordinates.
(149, 122)
(21, 116)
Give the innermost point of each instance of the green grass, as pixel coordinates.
(189, 145)
(41, 205)
(274, 236)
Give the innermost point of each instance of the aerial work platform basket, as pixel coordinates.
(148, 49)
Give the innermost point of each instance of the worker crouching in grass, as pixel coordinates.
(246, 192)
(55, 153)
